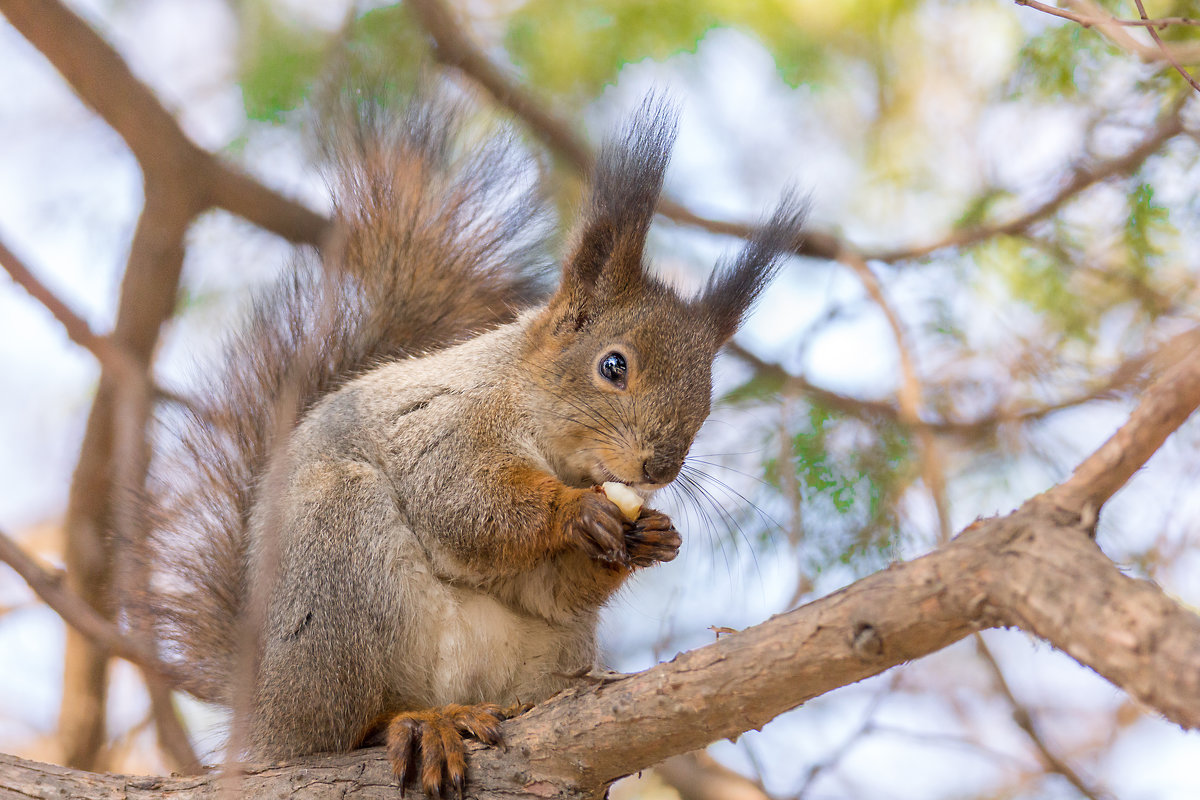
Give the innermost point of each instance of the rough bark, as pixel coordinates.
(1036, 569)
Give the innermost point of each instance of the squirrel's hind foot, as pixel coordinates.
(430, 743)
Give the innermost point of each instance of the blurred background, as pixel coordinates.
(1005, 209)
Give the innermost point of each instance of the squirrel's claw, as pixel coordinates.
(600, 529)
(651, 539)
(402, 743)
(434, 738)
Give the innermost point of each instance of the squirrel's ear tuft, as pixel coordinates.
(733, 288)
(606, 252)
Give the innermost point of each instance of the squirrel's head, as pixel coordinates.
(621, 363)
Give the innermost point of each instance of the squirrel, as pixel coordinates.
(398, 468)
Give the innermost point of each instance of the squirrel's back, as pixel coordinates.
(434, 239)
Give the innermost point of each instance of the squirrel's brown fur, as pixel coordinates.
(417, 496)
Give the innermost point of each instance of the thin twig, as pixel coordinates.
(82, 617)
(1088, 21)
(909, 395)
(1167, 54)
(1082, 177)
(1024, 720)
(865, 729)
(1117, 31)
(1125, 375)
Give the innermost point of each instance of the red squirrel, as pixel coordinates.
(402, 454)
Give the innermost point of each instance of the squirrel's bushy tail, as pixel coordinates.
(439, 232)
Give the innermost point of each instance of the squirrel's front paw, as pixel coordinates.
(651, 539)
(599, 529)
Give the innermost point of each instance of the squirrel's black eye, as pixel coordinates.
(613, 369)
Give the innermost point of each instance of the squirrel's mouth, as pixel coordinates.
(602, 474)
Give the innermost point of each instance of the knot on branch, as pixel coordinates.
(866, 641)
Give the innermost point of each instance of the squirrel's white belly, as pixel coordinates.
(487, 653)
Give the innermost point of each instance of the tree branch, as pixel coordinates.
(1082, 177)
(454, 48)
(180, 180)
(1035, 569)
(1163, 408)
(1166, 51)
(108, 354)
(1024, 720)
(1114, 29)
(1126, 374)
(82, 617)
(102, 79)
(1088, 21)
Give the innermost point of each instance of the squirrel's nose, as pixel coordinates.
(661, 469)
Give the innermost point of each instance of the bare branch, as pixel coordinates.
(81, 616)
(1082, 177)
(101, 78)
(107, 353)
(1024, 720)
(1123, 376)
(1088, 21)
(909, 395)
(454, 48)
(1163, 408)
(1166, 51)
(1116, 30)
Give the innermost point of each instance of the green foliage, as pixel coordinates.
(566, 45)
(979, 208)
(280, 61)
(1061, 62)
(1146, 228)
(1176, 8)
(578, 46)
(763, 385)
(851, 475)
(387, 41)
(1041, 280)
(283, 60)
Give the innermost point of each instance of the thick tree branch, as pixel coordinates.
(137, 391)
(1035, 569)
(180, 181)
